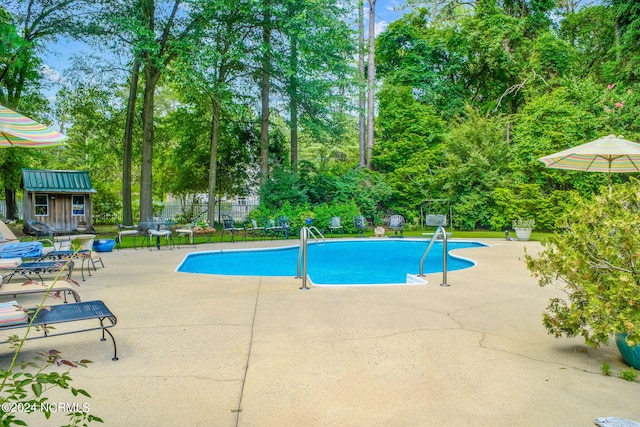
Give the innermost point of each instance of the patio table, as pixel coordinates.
(146, 225)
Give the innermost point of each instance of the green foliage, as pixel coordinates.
(474, 162)
(282, 187)
(628, 375)
(606, 369)
(345, 211)
(528, 201)
(595, 260)
(106, 204)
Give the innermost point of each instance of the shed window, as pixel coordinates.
(77, 205)
(42, 205)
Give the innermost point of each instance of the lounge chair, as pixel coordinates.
(228, 225)
(6, 235)
(334, 225)
(13, 266)
(360, 224)
(396, 223)
(59, 288)
(67, 313)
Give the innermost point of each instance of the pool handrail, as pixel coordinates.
(439, 230)
(305, 232)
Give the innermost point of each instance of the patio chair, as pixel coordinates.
(228, 225)
(44, 231)
(285, 227)
(360, 224)
(271, 228)
(126, 230)
(396, 223)
(334, 225)
(253, 229)
(187, 231)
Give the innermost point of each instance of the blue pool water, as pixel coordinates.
(335, 262)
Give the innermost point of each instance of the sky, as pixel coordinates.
(58, 55)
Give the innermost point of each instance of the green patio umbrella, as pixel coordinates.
(17, 130)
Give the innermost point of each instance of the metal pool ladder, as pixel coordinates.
(443, 232)
(305, 232)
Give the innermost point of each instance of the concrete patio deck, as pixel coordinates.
(202, 350)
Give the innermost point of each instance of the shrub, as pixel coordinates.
(595, 260)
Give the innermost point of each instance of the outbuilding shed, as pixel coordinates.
(61, 199)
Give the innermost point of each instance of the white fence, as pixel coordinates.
(238, 211)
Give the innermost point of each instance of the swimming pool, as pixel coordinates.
(341, 262)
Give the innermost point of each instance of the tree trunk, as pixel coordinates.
(151, 74)
(213, 160)
(293, 101)
(12, 205)
(264, 86)
(371, 80)
(127, 210)
(362, 96)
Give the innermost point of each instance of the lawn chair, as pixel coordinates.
(334, 225)
(187, 231)
(126, 230)
(360, 224)
(228, 225)
(252, 228)
(44, 231)
(285, 227)
(396, 223)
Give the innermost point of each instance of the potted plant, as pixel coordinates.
(523, 228)
(594, 260)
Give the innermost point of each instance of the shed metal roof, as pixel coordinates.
(54, 181)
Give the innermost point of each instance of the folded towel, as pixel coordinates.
(21, 250)
(9, 263)
(12, 314)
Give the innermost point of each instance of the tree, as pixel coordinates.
(265, 81)
(212, 74)
(362, 95)
(371, 82)
(23, 29)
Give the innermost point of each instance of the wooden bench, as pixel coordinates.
(65, 313)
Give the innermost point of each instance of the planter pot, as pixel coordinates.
(523, 234)
(630, 354)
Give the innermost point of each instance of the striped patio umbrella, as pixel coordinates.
(610, 154)
(17, 130)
